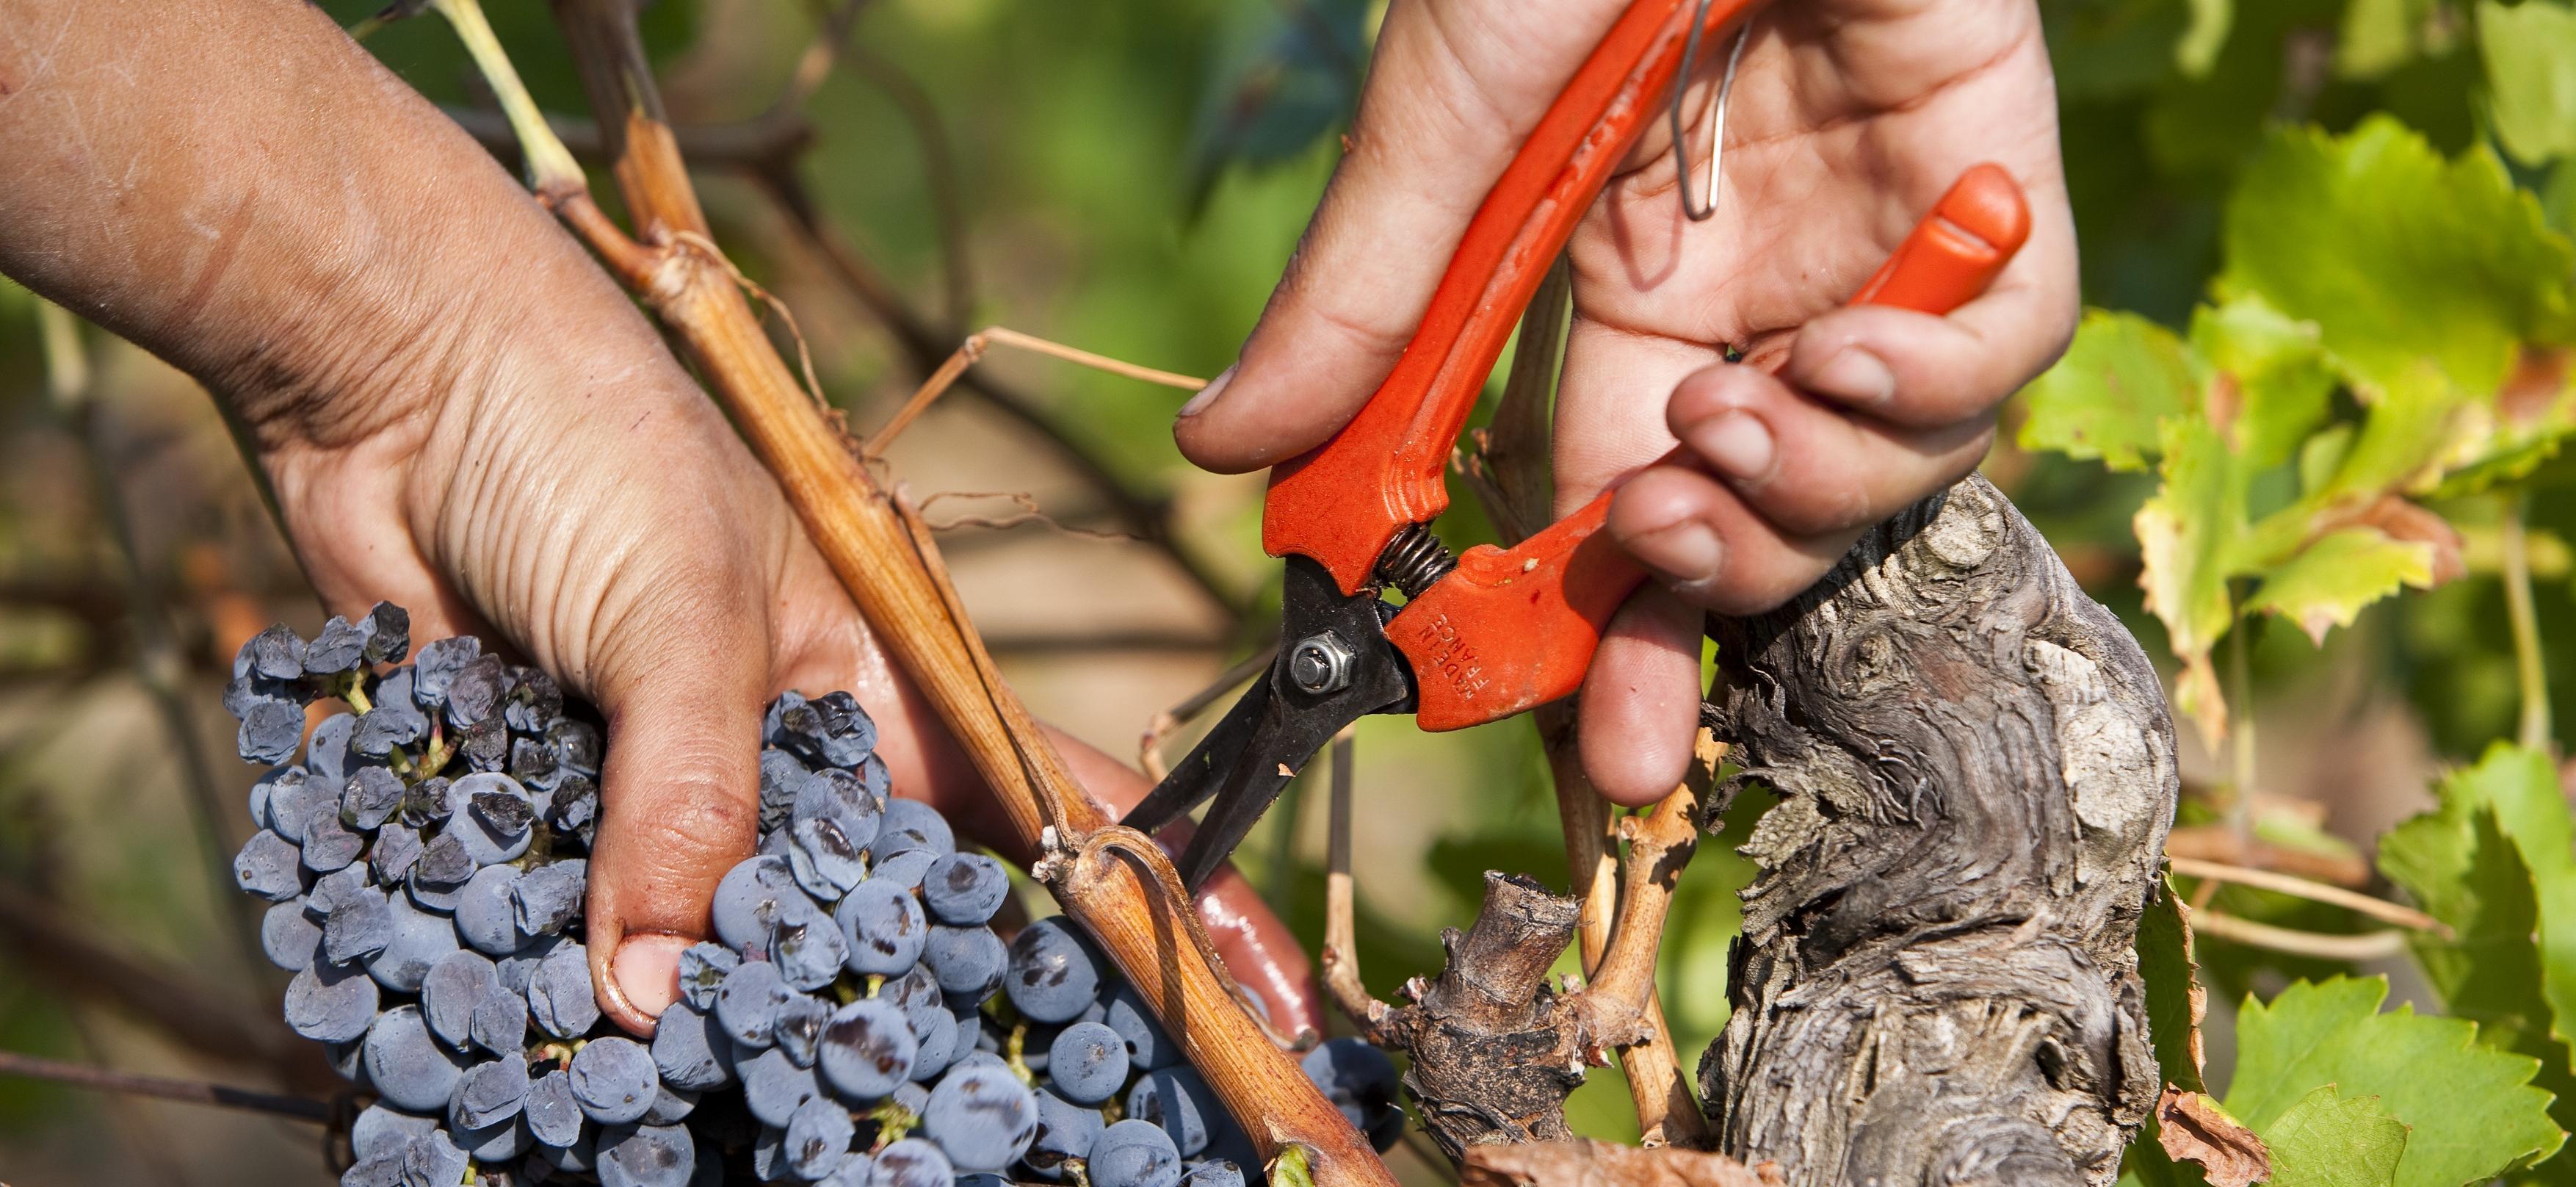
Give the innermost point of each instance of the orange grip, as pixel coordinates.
(1513, 629)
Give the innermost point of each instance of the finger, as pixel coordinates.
(1712, 549)
(679, 795)
(1640, 709)
(1453, 87)
(1925, 371)
(1809, 468)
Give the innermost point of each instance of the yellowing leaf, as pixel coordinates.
(2329, 582)
(2267, 380)
(2530, 53)
(2122, 376)
(2428, 1072)
(2331, 1140)
(2185, 534)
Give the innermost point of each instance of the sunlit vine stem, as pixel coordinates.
(2529, 671)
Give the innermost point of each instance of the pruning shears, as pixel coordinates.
(1491, 632)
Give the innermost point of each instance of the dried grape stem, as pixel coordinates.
(1937, 979)
(882, 561)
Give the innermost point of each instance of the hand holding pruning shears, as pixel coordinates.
(1487, 130)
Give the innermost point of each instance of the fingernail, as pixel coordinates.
(1689, 552)
(1207, 395)
(647, 969)
(1856, 375)
(1737, 443)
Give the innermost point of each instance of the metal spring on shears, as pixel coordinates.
(1414, 560)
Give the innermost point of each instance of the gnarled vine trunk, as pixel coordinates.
(1936, 981)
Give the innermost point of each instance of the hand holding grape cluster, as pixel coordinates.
(857, 1022)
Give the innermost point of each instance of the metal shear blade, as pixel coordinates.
(1335, 667)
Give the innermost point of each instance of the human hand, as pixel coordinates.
(1848, 119)
(460, 413)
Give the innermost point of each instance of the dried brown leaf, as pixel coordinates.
(2192, 1128)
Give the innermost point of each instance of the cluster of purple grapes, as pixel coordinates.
(856, 1023)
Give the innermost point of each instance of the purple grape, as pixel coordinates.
(553, 1117)
(867, 1050)
(614, 1080)
(559, 994)
(882, 927)
(748, 1005)
(452, 990)
(1052, 974)
(1134, 1153)
(690, 1052)
(485, 915)
(911, 1162)
(549, 897)
(489, 1094)
(703, 968)
(406, 1066)
(773, 1088)
(1088, 1062)
(982, 1118)
(269, 867)
(287, 937)
(818, 1138)
(420, 941)
(1065, 1130)
(965, 889)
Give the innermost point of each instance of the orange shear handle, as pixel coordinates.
(1511, 629)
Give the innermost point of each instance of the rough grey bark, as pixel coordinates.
(1936, 981)
(1495, 1050)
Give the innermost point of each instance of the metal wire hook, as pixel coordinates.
(1717, 121)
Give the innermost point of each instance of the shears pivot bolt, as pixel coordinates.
(1320, 663)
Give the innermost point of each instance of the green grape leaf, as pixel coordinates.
(2428, 1072)
(2413, 427)
(2119, 380)
(2186, 535)
(2460, 868)
(2331, 1140)
(2266, 378)
(2520, 786)
(2458, 864)
(2175, 1002)
(2530, 54)
(2328, 582)
(2400, 257)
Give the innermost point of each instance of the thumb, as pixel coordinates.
(1454, 87)
(680, 802)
